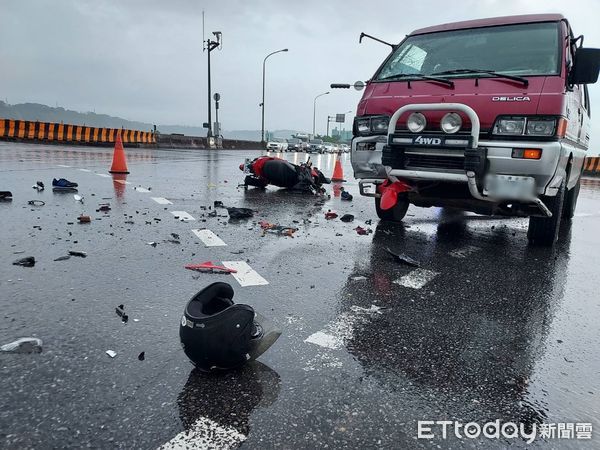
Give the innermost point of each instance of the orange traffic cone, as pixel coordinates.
(119, 163)
(338, 172)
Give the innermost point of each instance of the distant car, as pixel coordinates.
(315, 146)
(279, 145)
(328, 148)
(295, 145)
(345, 148)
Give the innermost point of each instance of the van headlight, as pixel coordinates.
(530, 126)
(369, 125)
(451, 123)
(416, 122)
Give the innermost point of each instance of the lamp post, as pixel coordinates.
(262, 105)
(315, 110)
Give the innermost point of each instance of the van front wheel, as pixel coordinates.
(543, 231)
(395, 214)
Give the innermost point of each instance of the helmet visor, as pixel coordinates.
(264, 335)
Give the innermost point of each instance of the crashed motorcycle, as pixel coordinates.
(267, 170)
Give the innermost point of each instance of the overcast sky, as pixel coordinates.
(143, 59)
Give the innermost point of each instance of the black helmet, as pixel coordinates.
(217, 334)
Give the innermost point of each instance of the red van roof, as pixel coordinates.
(480, 23)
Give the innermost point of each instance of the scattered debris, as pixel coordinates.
(347, 218)
(39, 186)
(63, 258)
(104, 207)
(78, 198)
(358, 278)
(84, 219)
(175, 236)
(363, 231)
(6, 195)
(111, 353)
(36, 202)
(403, 259)
(28, 261)
(23, 345)
(120, 310)
(77, 253)
(218, 204)
(277, 229)
(368, 222)
(142, 356)
(330, 214)
(153, 244)
(239, 213)
(209, 267)
(173, 241)
(346, 195)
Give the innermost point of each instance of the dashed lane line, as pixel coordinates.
(209, 238)
(123, 181)
(205, 434)
(183, 216)
(84, 170)
(416, 279)
(62, 165)
(104, 175)
(335, 333)
(245, 274)
(161, 200)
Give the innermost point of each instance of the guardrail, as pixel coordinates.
(25, 130)
(591, 166)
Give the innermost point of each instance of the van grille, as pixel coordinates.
(450, 160)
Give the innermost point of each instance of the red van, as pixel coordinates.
(490, 116)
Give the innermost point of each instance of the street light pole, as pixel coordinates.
(262, 129)
(315, 110)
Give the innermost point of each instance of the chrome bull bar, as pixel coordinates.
(475, 129)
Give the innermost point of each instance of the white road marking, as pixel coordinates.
(209, 238)
(417, 278)
(161, 200)
(62, 165)
(205, 434)
(183, 216)
(85, 170)
(141, 189)
(245, 274)
(465, 251)
(123, 181)
(104, 175)
(335, 333)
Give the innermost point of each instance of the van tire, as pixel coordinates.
(571, 201)
(543, 231)
(395, 214)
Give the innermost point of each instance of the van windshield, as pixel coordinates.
(530, 49)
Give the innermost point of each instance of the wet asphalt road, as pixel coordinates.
(487, 329)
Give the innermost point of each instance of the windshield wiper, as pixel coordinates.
(417, 76)
(525, 81)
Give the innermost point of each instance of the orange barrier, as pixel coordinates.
(592, 165)
(48, 131)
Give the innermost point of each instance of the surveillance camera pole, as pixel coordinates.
(210, 46)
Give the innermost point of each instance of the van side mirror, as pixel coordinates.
(586, 66)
